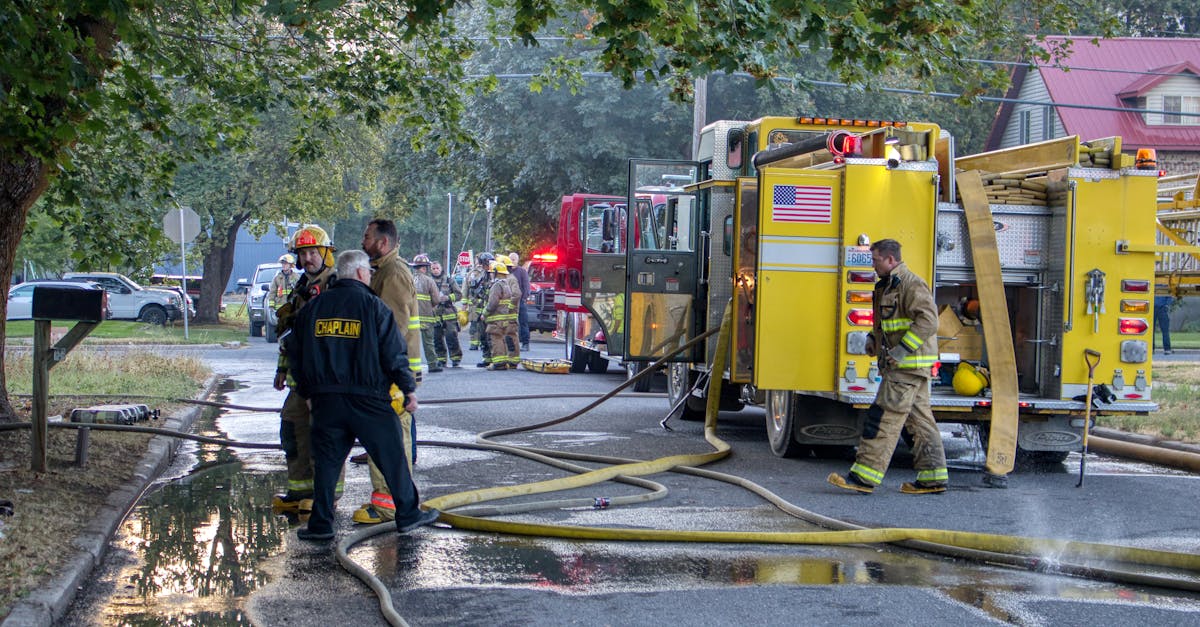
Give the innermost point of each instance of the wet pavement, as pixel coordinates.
(204, 547)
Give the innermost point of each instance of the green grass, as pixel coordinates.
(127, 373)
(233, 327)
(1180, 339)
(1177, 392)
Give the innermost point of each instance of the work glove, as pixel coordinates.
(898, 353)
(280, 379)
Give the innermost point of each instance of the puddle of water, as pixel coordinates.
(440, 559)
(195, 547)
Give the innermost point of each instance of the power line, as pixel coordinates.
(900, 90)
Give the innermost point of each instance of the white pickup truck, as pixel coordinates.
(130, 301)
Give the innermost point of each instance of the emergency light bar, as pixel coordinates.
(854, 122)
(546, 257)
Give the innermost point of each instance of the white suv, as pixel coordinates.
(130, 301)
(262, 320)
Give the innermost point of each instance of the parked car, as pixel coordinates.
(130, 301)
(264, 273)
(20, 297)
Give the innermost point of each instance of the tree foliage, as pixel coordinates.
(134, 76)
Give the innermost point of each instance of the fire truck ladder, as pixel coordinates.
(1179, 229)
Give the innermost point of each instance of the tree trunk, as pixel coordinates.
(218, 266)
(23, 178)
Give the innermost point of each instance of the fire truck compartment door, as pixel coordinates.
(796, 304)
(662, 260)
(602, 289)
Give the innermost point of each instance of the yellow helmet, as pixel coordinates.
(313, 236)
(507, 259)
(969, 381)
(288, 257)
(499, 268)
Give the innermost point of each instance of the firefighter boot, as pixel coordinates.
(292, 502)
(850, 482)
(922, 487)
(368, 515)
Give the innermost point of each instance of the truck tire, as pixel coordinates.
(634, 368)
(1026, 459)
(781, 415)
(269, 331)
(256, 329)
(597, 363)
(153, 314)
(679, 384)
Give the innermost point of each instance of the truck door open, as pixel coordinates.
(662, 260)
(602, 231)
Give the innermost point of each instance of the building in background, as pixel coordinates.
(1130, 73)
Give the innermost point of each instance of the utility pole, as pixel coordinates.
(449, 221)
(491, 205)
(699, 112)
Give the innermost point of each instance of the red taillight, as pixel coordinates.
(861, 317)
(1136, 287)
(1132, 326)
(860, 276)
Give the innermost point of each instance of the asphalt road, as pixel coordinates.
(205, 549)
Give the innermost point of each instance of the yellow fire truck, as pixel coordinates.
(779, 220)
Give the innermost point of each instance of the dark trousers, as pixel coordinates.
(523, 324)
(337, 420)
(1162, 317)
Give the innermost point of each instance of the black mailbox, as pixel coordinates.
(68, 303)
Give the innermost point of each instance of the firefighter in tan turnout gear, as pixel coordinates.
(904, 339)
(427, 298)
(314, 253)
(445, 333)
(498, 314)
(393, 282)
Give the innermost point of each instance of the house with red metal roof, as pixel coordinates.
(1101, 79)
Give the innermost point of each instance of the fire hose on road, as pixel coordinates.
(463, 510)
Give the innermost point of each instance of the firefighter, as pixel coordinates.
(904, 339)
(393, 282)
(512, 332)
(498, 314)
(473, 282)
(284, 281)
(346, 350)
(445, 337)
(314, 252)
(427, 297)
(479, 294)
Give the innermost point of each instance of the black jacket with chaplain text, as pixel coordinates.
(345, 341)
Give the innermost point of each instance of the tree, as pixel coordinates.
(80, 70)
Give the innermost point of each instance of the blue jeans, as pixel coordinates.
(1162, 317)
(522, 325)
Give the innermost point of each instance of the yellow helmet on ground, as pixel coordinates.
(968, 380)
(313, 236)
(498, 267)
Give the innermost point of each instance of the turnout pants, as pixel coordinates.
(497, 331)
(337, 420)
(902, 402)
(295, 436)
(513, 343)
(445, 342)
(427, 342)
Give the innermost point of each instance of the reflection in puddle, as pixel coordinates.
(441, 559)
(195, 548)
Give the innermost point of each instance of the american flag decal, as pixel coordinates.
(802, 203)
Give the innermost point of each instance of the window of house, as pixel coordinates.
(1048, 123)
(1024, 122)
(1174, 105)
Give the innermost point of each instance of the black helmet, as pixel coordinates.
(485, 258)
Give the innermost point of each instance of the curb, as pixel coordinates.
(50, 602)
